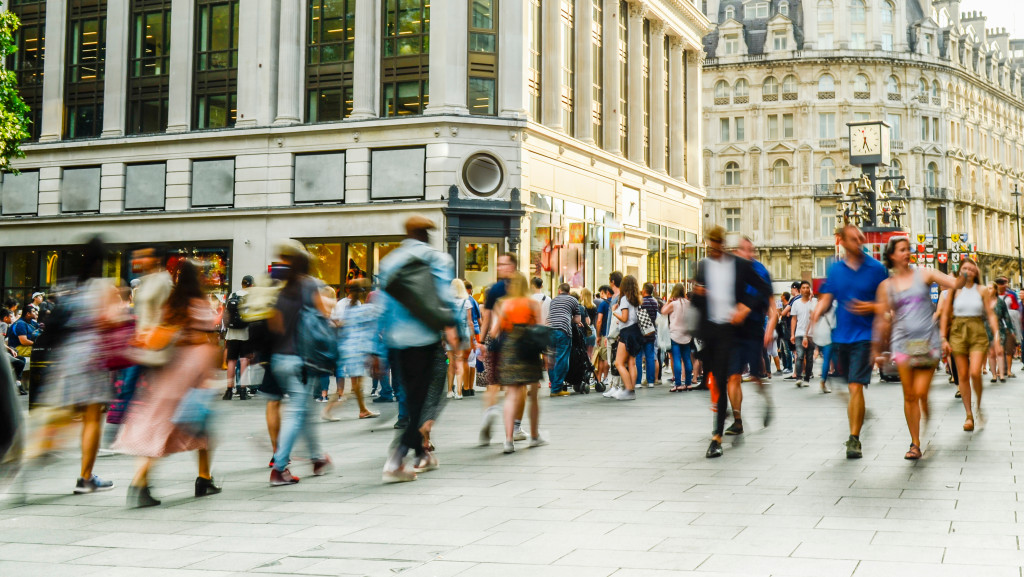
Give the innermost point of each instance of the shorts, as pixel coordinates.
(746, 352)
(237, 349)
(269, 388)
(967, 335)
(600, 354)
(854, 361)
(633, 339)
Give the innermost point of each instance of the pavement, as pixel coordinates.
(623, 489)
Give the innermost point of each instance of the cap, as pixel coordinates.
(715, 234)
(796, 284)
(34, 295)
(247, 280)
(291, 248)
(1001, 279)
(135, 282)
(417, 223)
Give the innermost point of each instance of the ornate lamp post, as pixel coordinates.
(1020, 268)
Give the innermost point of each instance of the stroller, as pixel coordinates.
(581, 370)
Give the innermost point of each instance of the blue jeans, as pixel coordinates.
(826, 360)
(561, 344)
(680, 360)
(288, 370)
(321, 384)
(385, 391)
(646, 353)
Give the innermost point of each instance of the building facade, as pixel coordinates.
(565, 131)
(784, 77)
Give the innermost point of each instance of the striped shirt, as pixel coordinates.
(563, 308)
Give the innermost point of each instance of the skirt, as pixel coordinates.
(632, 338)
(513, 369)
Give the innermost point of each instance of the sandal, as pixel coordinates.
(969, 423)
(675, 389)
(914, 453)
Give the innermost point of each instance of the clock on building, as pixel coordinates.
(869, 142)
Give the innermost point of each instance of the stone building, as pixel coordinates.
(566, 131)
(783, 78)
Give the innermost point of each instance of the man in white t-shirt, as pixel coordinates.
(800, 319)
(538, 295)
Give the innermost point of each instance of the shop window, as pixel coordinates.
(320, 178)
(358, 261)
(215, 94)
(83, 88)
(148, 66)
(144, 186)
(397, 173)
(27, 61)
(213, 183)
(80, 190)
(405, 57)
(327, 263)
(19, 194)
(330, 57)
(20, 271)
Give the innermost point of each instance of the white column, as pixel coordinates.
(259, 23)
(636, 82)
(289, 79)
(657, 116)
(610, 107)
(449, 57)
(53, 72)
(694, 64)
(551, 64)
(366, 68)
(583, 93)
(115, 79)
(841, 14)
(179, 94)
(677, 107)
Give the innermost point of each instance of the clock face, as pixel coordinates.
(865, 140)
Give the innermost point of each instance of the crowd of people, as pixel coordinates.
(145, 359)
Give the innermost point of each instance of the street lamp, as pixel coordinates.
(1020, 268)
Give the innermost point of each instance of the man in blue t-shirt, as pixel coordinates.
(852, 283)
(23, 333)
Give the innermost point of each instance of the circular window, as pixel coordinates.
(482, 174)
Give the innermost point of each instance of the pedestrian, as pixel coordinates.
(630, 340)
(300, 293)
(537, 286)
(678, 310)
(508, 263)
(414, 347)
(590, 308)
(852, 283)
(356, 322)
(457, 369)
(603, 321)
(823, 336)
(999, 362)
(1009, 296)
(237, 340)
(519, 370)
(469, 382)
(648, 352)
(802, 337)
(23, 332)
(149, 431)
(782, 330)
(382, 382)
(905, 297)
(563, 313)
(612, 335)
(17, 361)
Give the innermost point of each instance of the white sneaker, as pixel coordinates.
(650, 385)
(451, 395)
(485, 427)
(518, 434)
(799, 384)
(539, 441)
(625, 395)
(825, 388)
(746, 377)
(611, 392)
(510, 447)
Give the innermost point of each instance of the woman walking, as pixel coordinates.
(457, 369)
(963, 331)
(631, 340)
(678, 311)
(914, 339)
(998, 363)
(356, 320)
(148, 431)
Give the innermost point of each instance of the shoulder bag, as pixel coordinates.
(414, 288)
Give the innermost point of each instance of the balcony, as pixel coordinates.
(720, 100)
(789, 95)
(828, 143)
(740, 99)
(895, 144)
(826, 96)
(823, 191)
(936, 192)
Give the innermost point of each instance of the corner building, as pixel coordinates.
(784, 77)
(565, 131)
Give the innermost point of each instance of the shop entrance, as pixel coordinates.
(478, 261)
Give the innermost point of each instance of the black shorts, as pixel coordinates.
(237, 349)
(746, 352)
(854, 361)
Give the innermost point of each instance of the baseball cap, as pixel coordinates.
(796, 284)
(416, 223)
(247, 280)
(34, 295)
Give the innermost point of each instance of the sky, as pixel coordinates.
(1007, 14)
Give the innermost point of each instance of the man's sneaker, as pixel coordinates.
(625, 395)
(714, 450)
(825, 389)
(278, 478)
(384, 400)
(401, 475)
(510, 447)
(746, 377)
(539, 441)
(799, 383)
(792, 378)
(92, 485)
(518, 434)
(560, 394)
(322, 466)
(853, 448)
(735, 429)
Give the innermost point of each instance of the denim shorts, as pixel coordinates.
(746, 352)
(854, 361)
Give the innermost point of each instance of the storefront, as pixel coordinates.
(672, 256)
(337, 261)
(572, 243)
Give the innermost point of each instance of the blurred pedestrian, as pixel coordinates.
(236, 340)
(678, 311)
(356, 322)
(519, 370)
(457, 369)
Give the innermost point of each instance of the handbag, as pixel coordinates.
(534, 341)
(115, 343)
(194, 411)
(414, 288)
(920, 353)
(155, 347)
(643, 320)
(822, 333)
(315, 338)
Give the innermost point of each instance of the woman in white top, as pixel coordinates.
(630, 338)
(677, 309)
(457, 367)
(962, 327)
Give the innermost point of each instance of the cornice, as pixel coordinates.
(692, 15)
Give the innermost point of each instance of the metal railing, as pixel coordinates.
(828, 143)
(936, 192)
(823, 190)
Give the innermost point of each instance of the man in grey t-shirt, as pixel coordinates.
(800, 319)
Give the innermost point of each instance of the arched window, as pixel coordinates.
(958, 179)
(770, 88)
(935, 89)
(827, 172)
(893, 85)
(887, 12)
(974, 181)
(789, 84)
(730, 13)
(722, 89)
(861, 87)
(732, 174)
(922, 87)
(858, 11)
(824, 10)
(780, 172)
(784, 8)
(742, 88)
(826, 83)
(931, 175)
(895, 169)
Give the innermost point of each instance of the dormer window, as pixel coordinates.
(784, 8)
(730, 13)
(732, 44)
(779, 40)
(759, 10)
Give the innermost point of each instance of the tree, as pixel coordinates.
(14, 118)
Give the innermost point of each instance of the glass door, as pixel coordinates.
(478, 260)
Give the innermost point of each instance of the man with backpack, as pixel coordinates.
(237, 338)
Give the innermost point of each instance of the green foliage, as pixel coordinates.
(14, 119)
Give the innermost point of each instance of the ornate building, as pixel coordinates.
(783, 78)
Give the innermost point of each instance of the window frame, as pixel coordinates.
(145, 89)
(335, 75)
(28, 70)
(83, 91)
(210, 81)
(733, 176)
(397, 70)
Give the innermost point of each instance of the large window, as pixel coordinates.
(148, 66)
(780, 172)
(406, 49)
(858, 11)
(83, 90)
(825, 10)
(732, 174)
(770, 89)
(483, 57)
(215, 103)
(27, 61)
(568, 64)
(826, 125)
(732, 220)
(597, 72)
(533, 66)
(827, 220)
(827, 172)
(623, 77)
(330, 58)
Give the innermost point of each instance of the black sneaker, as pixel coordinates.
(92, 485)
(735, 429)
(853, 448)
(714, 450)
(791, 378)
(468, 393)
(402, 423)
(228, 394)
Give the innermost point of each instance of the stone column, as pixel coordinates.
(610, 107)
(657, 115)
(694, 64)
(677, 107)
(259, 23)
(636, 82)
(115, 76)
(53, 72)
(551, 64)
(289, 79)
(583, 93)
(512, 59)
(449, 58)
(366, 68)
(179, 94)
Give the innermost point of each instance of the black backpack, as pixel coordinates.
(233, 312)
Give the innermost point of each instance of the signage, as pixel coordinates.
(934, 293)
(921, 239)
(955, 237)
(943, 257)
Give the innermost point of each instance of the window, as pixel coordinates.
(759, 10)
(405, 57)
(779, 40)
(925, 129)
(787, 126)
(825, 10)
(216, 64)
(782, 219)
(772, 126)
(568, 64)
(27, 61)
(723, 125)
(780, 268)
(780, 172)
(887, 12)
(935, 90)
(144, 186)
(740, 129)
(722, 89)
(858, 12)
(887, 42)
(732, 220)
(895, 124)
(148, 73)
(857, 41)
(730, 13)
(732, 44)
(597, 74)
(770, 89)
(827, 219)
(784, 8)
(826, 84)
(932, 221)
(83, 90)
(789, 86)
(827, 173)
(922, 88)
(330, 58)
(823, 263)
(826, 41)
(861, 87)
(533, 65)
(931, 175)
(732, 174)
(895, 169)
(893, 85)
(826, 125)
(742, 89)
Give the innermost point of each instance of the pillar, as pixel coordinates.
(551, 64)
(636, 82)
(610, 112)
(677, 108)
(583, 95)
(657, 115)
(694, 64)
(53, 72)
(259, 26)
(115, 78)
(289, 79)
(449, 58)
(366, 67)
(179, 94)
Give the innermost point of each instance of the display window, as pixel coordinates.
(572, 243)
(337, 261)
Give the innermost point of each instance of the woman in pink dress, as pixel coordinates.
(148, 431)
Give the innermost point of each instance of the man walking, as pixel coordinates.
(237, 339)
(614, 282)
(563, 313)
(800, 311)
(852, 283)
